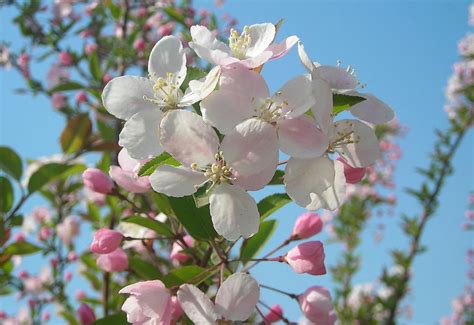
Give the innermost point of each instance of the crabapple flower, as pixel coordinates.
(274, 314)
(316, 304)
(106, 241)
(126, 175)
(97, 181)
(243, 94)
(245, 160)
(307, 225)
(307, 258)
(235, 300)
(141, 101)
(249, 49)
(148, 302)
(114, 261)
(343, 81)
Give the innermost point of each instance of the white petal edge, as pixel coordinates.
(200, 89)
(234, 212)
(188, 138)
(123, 96)
(175, 181)
(237, 297)
(140, 134)
(168, 56)
(197, 306)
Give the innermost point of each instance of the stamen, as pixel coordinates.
(239, 43)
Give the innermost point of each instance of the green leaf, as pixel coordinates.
(50, 172)
(191, 274)
(117, 319)
(252, 246)
(172, 13)
(197, 221)
(149, 223)
(277, 179)
(342, 102)
(164, 159)
(75, 135)
(272, 203)
(94, 66)
(71, 85)
(6, 194)
(115, 10)
(144, 269)
(21, 248)
(10, 162)
(71, 319)
(193, 73)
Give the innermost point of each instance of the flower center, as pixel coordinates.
(239, 43)
(216, 173)
(269, 110)
(166, 92)
(344, 135)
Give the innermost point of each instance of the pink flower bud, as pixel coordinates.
(58, 101)
(353, 174)
(139, 44)
(23, 274)
(46, 317)
(90, 48)
(19, 237)
(97, 181)
(307, 258)
(66, 58)
(106, 241)
(106, 78)
(80, 294)
(44, 233)
(68, 276)
(81, 97)
(176, 252)
(274, 314)
(71, 256)
(166, 29)
(54, 262)
(86, 314)
(307, 225)
(316, 304)
(176, 310)
(113, 262)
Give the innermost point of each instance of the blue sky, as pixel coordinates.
(404, 52)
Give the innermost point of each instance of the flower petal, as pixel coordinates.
(140, 134)
(261, 36)
(364, 149)
(281, 49)
(315, 183)
(168, 56)
(123, 96)
(237, 297)
(372, 109)
(337, 77)
(234, 212)
(252, 148)
(296, 96)
(199, 89)
(207, 47)
(129, 180)
(233, 102)
(197, 306)
(127, 162)
(299, 137)
(152, 297)
(307, 63)
(188, 138)
(175, 181)
(322, 109)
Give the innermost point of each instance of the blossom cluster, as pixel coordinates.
(230, 143)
